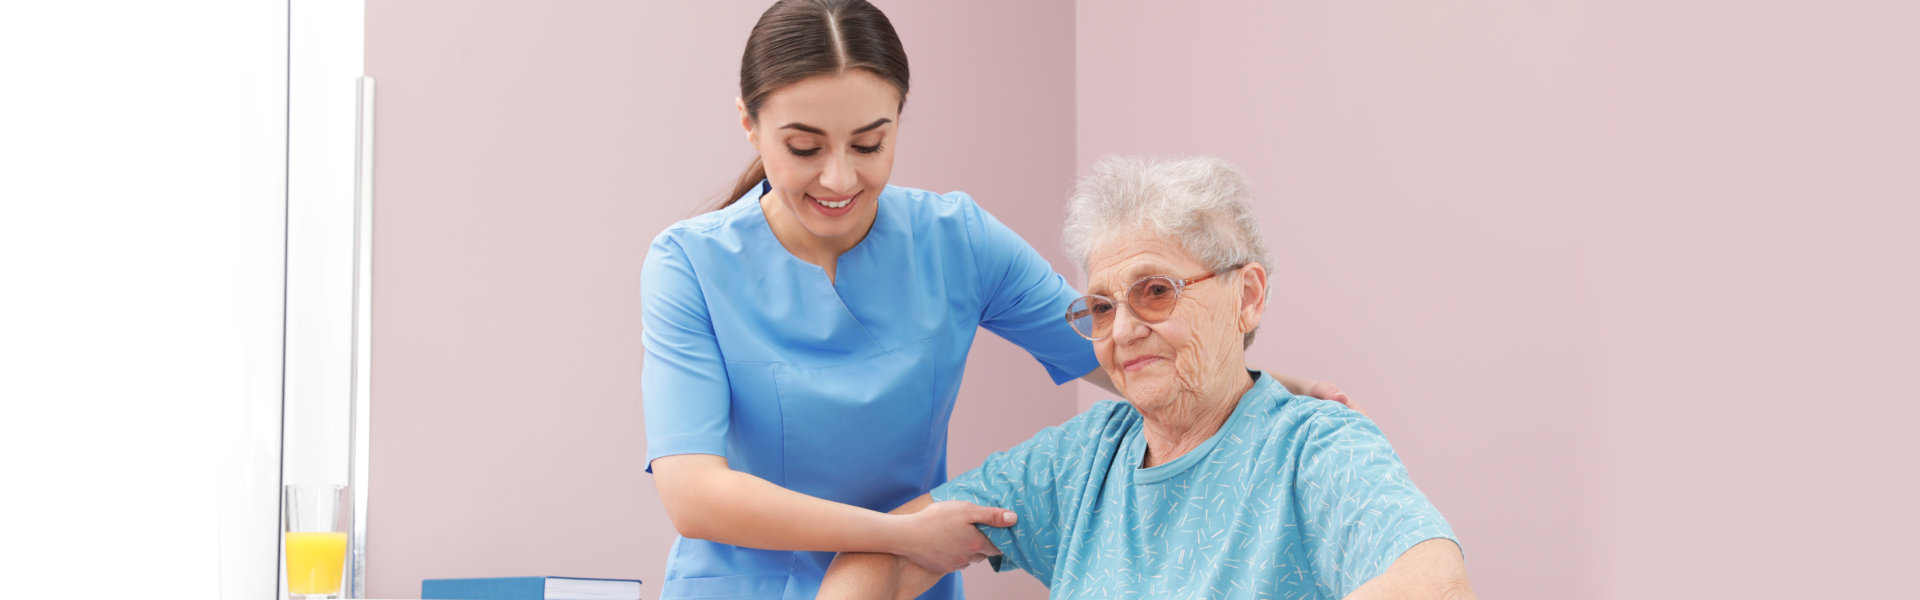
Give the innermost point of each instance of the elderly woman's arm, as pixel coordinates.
(871, 575)
(1430, 569)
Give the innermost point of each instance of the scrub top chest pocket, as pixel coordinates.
(875, 429)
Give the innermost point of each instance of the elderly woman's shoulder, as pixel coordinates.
(1285, 411)
(1104, 419)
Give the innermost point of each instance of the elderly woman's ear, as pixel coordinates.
(1253, 295)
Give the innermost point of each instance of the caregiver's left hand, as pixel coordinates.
(941, 537)
(1319, 389)
(1327, 391)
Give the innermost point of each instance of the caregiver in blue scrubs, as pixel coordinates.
(805, 341)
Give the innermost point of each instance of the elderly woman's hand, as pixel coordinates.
(942, 537)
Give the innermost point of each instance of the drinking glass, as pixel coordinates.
(314, 521)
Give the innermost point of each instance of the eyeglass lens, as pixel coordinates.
(1151, 300)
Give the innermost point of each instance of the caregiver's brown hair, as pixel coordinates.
(800, 39)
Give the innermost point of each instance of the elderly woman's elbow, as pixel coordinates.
(1457, 589)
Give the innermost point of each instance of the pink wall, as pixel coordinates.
(1631, 288)
(527, 153)
(1621, 282)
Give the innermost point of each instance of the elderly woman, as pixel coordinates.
(1211, 480)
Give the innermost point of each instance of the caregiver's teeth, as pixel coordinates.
(840, 204)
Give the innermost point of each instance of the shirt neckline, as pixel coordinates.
(766, 226)
(1262, 387)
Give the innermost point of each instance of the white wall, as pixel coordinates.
(141, 211)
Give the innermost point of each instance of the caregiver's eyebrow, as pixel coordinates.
(816, 130)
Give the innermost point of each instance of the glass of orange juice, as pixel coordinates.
(314, 519)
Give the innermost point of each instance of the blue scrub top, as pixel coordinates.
(839, 389)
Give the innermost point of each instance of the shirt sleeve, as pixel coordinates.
(683, 383)
(1026, 301)
(1033, 480)
(1360, 506)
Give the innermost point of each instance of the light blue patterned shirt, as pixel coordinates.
(1292, 498)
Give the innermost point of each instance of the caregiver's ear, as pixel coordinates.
(1252, 282)
(746, 120)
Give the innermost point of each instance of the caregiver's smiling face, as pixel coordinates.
(828, 144)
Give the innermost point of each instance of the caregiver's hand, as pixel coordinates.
(1318, 389)
(942, 538)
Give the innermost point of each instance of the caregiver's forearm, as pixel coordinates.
(1099, 378)
(869, 575)
(873, 576)
(708, 500)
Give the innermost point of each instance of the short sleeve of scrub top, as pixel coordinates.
(682, 357)
(836, 388)
(1027, 299)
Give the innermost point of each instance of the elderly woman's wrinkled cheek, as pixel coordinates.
(1207, 349)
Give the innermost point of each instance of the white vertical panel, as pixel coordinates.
(360, 412)
(325, 67)
(327, 61)
(141, 216)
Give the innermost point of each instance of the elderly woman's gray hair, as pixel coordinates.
(1200, 203)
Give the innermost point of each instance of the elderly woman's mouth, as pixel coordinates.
(1138, 363)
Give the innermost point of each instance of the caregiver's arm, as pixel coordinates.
(1098, 377)
(867, 575)
(706, 499)
(1318, 389)
(1430, 569)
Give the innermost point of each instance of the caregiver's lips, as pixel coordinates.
(826, 204)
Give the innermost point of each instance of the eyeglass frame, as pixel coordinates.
(1179, 285)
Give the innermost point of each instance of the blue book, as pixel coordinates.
(530, 588)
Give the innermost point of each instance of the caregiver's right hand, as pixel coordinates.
(942, 537)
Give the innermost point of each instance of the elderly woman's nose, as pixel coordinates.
(1127, 326)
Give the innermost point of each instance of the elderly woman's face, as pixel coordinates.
(1195, 351)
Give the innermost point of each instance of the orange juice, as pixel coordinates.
(314, 561)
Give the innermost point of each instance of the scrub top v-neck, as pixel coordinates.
(835, 388)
